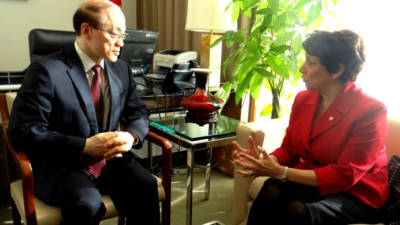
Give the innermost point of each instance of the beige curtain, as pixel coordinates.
(167, 17)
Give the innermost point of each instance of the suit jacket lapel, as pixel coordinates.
(335, 112)
(327, 120)
(115, 102)
(80, 81)
(309, 109)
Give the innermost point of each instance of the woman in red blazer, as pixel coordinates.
(331, 166)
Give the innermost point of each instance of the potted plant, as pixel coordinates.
(270, 53)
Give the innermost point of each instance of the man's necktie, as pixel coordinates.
(97, 96)
(96, 167)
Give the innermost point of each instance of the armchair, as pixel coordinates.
(33, 211)
(43, 42)
(246, 189)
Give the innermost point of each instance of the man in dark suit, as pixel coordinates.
(66, 116)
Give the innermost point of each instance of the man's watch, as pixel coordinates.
(284, 175)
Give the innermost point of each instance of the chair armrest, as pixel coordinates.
(267, 133)
(23, 165)
(241, 184)
(166, 171)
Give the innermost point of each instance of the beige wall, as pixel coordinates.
(18, 17)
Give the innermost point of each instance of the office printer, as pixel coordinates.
(173, 67)
(165, 60)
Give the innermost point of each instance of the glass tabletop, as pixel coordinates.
(177, 125)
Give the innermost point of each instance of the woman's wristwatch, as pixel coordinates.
(284, 175)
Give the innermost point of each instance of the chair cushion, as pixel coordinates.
(256, 186)
(45, 214)
(10, 97)
(160, 188)
(50, 215)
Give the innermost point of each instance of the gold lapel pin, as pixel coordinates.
(331, 118)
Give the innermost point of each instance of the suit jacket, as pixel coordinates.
(345, 147)
(53, 113)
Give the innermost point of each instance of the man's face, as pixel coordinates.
(107, 40)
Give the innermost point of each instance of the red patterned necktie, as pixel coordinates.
(96, 167)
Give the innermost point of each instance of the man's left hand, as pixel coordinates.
(121, 143)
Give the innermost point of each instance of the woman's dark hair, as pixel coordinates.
(334, 48)
(90, 13)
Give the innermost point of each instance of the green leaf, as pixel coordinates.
(255, 85)
(265, 12)
(247, 65)
(263, 72)
(283, 38)
(313, 13)
(274, 4)
(229, 60)
(265, 23)
(293, 65)
(253, 46)
(248, 13)
(318, 22)
(303, 3)
(297, 44)
(229, 43)
(228, 37)
(242, 88)
(280, 21)
(278, 66)
(237, 65)
(267, 110)
(249, 4)
(224, 92)
(216, 42)
(278, 48)
(235, 11)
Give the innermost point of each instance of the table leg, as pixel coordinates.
(189, 186)
(208, 176)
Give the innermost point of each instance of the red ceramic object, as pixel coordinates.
(198, 101)
(201, 106)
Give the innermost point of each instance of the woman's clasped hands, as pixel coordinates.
(256, 161)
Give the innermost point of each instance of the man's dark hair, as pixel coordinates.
(334, 48)
(91, 14)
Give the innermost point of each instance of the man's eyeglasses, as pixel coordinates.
(113, 35)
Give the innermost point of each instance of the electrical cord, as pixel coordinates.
(158, 103)
(165, 104)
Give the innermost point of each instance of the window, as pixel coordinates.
(378, 24)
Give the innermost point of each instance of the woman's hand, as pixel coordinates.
(264, 165)
(255, 160)
(253, 151)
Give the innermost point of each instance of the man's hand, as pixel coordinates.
(117, 145)
(96, 146)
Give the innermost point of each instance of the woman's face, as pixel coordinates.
(315, 75)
